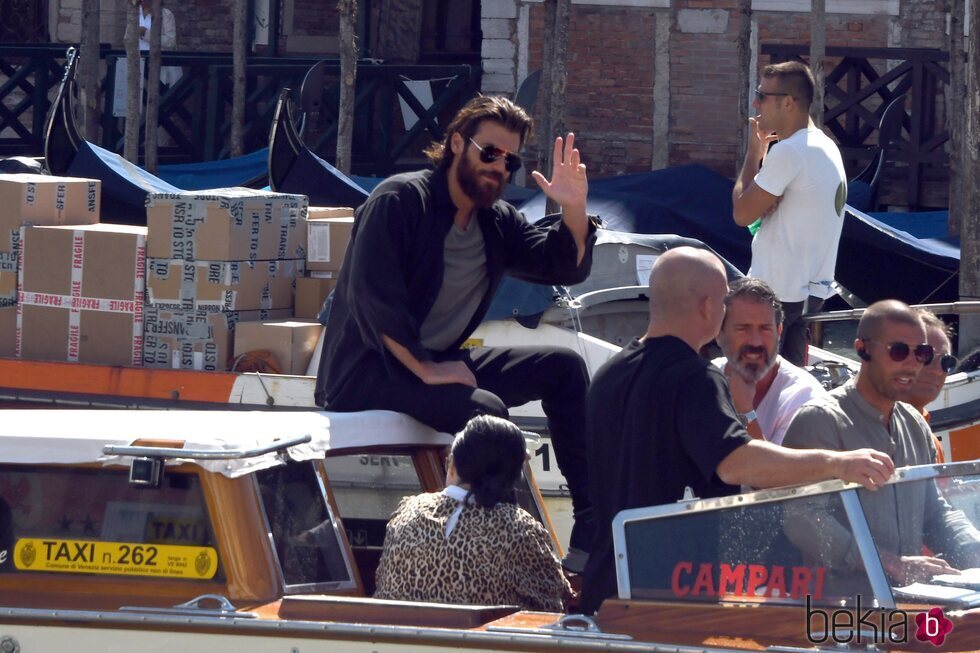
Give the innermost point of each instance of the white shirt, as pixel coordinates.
(795, 250)
(791, 388)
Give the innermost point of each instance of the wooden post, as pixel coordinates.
(88, 69)
(818, 48)
(347, 11)
(153, 85)
(238, 79)
(554, 76)
(131, 142)
(744, 54)
(970, 206)
(955, 115)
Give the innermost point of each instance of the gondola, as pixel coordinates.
(124, 184)
(294, 168)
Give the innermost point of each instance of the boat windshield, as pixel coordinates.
(915, 539)
(303, 529)
(66, 520)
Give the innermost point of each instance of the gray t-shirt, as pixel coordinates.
(464, 283)
(902, 517)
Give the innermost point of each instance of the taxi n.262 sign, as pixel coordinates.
(120, 558)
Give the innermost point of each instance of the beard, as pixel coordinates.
(472, 183)
(753, 371)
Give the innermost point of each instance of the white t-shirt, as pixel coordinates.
(795, 250)
(792, 387)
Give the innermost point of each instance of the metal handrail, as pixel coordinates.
(957, 308)
(202, 454)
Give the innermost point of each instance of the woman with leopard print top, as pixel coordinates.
(470, 543)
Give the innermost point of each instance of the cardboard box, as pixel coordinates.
(291, 342)
(234, 224)
(195, 340)
(222, 285)
(310, 294)
(80, 294)
(47, 200)
(39, 200)
(8, 287)
(327, 239)
(8, 331)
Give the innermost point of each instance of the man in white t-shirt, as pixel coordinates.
(767, 390)
(798, 193)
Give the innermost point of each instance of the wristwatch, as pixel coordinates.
(749, 417)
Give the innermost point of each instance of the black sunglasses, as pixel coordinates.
(762, 95)
(948, 363)
(899, 351)
(490, 153)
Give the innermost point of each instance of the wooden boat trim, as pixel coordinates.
(478, 638)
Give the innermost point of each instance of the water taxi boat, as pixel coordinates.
(261, 531)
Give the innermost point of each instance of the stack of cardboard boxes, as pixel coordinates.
(46, 300)
(329, 231)
(217, 258)
(291, 343)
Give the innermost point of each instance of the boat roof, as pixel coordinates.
(80, 436)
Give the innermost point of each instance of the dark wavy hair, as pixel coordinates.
(489, 454)
(467, 121)
(756, 290)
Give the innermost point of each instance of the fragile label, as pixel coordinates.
(118, 558)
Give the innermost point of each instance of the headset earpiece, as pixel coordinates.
(863, 354)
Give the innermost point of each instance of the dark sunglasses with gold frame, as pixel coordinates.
(490, 153)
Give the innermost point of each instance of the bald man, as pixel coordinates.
(660, 418)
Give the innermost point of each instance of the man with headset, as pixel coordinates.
(869, 411)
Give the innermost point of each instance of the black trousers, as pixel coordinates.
(795, 338)
(506, 376)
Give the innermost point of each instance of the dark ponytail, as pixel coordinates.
(489, 454)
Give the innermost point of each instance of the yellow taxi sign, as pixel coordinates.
(471, 343)
(119, 558)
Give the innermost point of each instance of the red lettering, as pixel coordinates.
(777, 582)
(818, 590)
(733, 578)
(675, 578)
(704, 581)
(757, 578)
(73, 341)
(802, 577)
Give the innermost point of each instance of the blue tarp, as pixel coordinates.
(237, 171)
(689, 201)
(124, 185)
(896, 255)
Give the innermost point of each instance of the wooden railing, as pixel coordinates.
(861, 84)
(195, 113)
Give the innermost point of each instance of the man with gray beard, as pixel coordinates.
(767, 390)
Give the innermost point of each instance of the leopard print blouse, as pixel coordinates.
(496, 556)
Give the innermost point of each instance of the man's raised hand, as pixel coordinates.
(569, 186)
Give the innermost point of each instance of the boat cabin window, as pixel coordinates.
(927, 518)
(834, 547)
(368, 488)
(739, 553)
(303, 529)
(93, 521)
